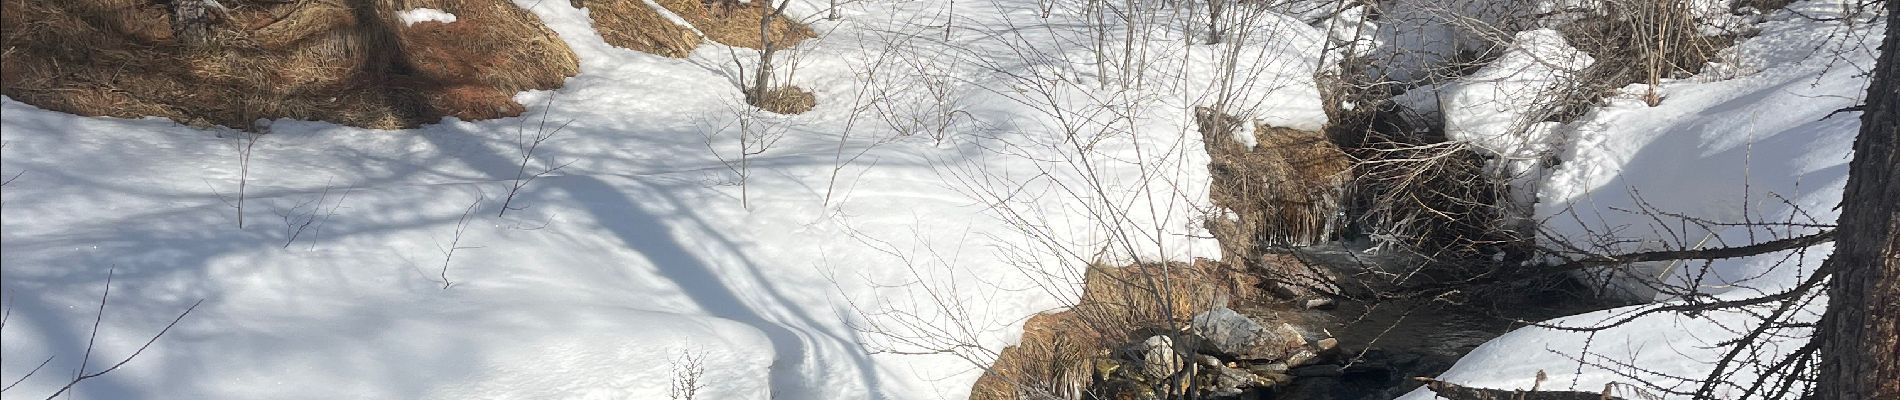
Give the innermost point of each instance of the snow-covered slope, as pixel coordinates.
(1751, 140)
(615, 271)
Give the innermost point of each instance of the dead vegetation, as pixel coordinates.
(737, 24)
(1062, 354)
(635, 25)
(1284, 191)
(350, 62)
(1638, 41)
(787, 100)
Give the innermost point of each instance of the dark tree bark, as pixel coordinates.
(1860, 334)
(192, 20)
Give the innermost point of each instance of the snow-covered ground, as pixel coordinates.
(610, 275)
(638, 256)
(1749, 140)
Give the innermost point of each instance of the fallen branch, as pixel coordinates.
(1647, 256)
(1699, 254)
(1452, 391)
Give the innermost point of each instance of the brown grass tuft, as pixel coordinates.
(631, 24)
(787, 100)
(1286, 190)
(1064, 352)
(739, 25)
(349, 62)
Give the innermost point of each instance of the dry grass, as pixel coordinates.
(348, 62)
(1637, 41)
(1062, 353)
(787, 100)
(631, 24)
(1285, 191)
(739, 25)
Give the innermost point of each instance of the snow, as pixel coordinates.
(639, 252)
(1500, 109)
(1493, 107)
(1749, 141)
(418, 15)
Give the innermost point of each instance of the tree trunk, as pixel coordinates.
(1214, 9)
(1860, 334)
(762, 78)
(192, 19)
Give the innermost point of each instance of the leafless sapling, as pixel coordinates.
(455, 242)
(527, 144)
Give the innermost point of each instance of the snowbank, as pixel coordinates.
(634, 255)
(1754, 147)
(1496, 107)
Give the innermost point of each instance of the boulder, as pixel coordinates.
(1226, 381)
(1234, 335)
(1158, 358)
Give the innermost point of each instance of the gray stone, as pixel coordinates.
(1301, 357)
(1206, 360)
(1231, 381)
(1276, 379)
(1232, 334)
(1225, 330)
(1327, 344)
(1288, 336)
(1269, 368)
(1318, 304)
(1158, 357)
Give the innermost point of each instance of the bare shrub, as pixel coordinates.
(1432, 199)
(455, 242)
(242, 145)
(1639, 41)
(689, 373)
(526, 145)
(310, 215)
(754, 132)
(84, 372)
(941, 111)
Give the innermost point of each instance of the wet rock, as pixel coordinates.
(1319, 370)
(1158, 358)
(1269, 368)
(1277, 379)
(1318, 304)
(1227, 331)
(1301, 357)
(1231, 381)
(1232, 334)
(1206, 360)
